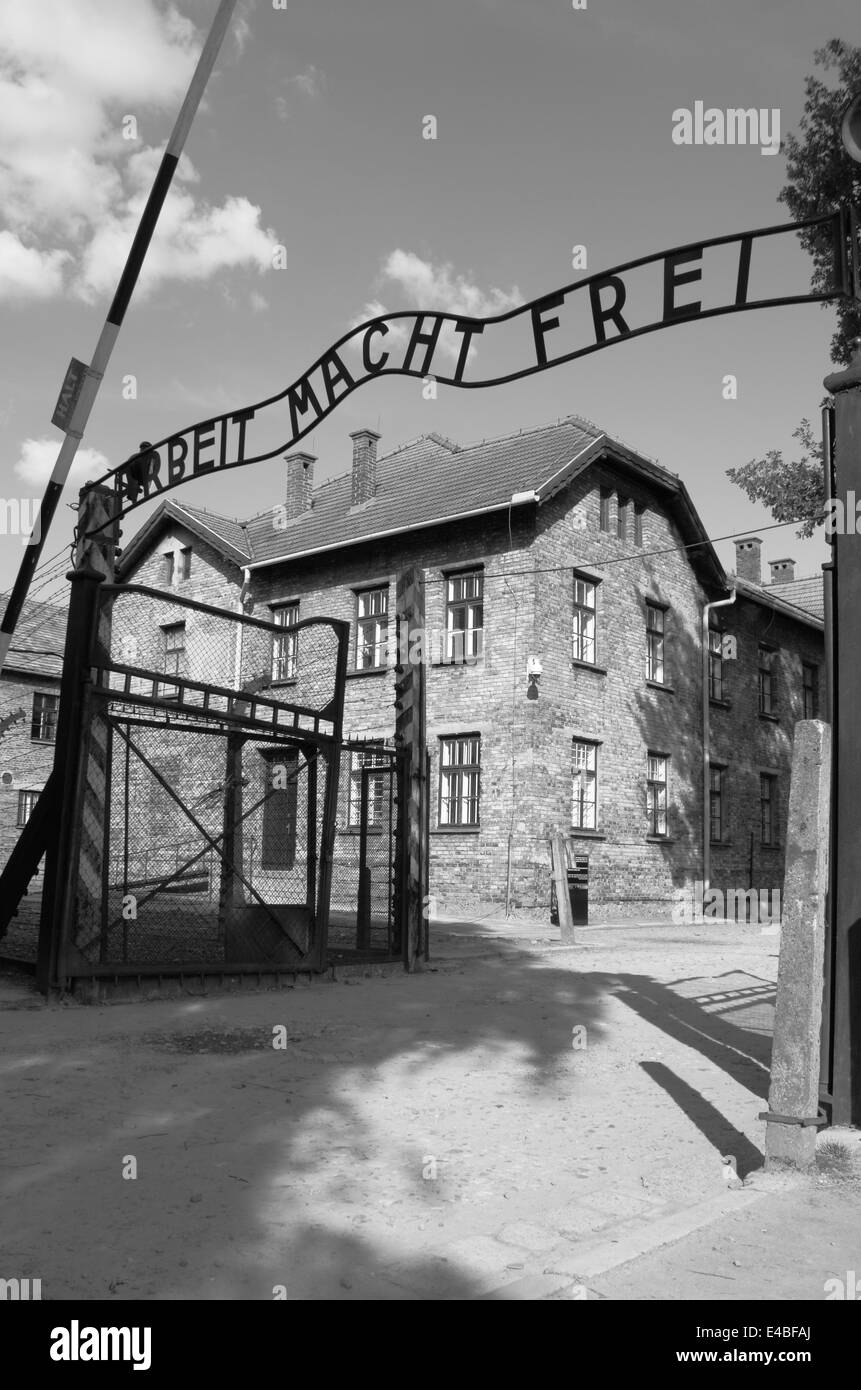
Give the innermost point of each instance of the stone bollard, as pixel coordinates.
(793, 1097)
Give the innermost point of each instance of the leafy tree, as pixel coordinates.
(820, 176)
(791, 489)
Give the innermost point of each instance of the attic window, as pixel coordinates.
(185, 562)
(167, 568)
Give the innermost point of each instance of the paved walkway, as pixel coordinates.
(515, 1122)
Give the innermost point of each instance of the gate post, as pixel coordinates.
(410, 735)
(87, 637)
(845, 386)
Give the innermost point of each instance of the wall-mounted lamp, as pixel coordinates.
(533, 675)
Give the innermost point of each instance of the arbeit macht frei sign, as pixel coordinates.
(724, 275)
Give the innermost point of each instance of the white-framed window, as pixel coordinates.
(715, 664)
(655, 642)
(379, 785)
(372, 628)
(285, 645)
(657, 779)
(584, 814)
(460, 780)
(173, 649)
(43, 726)
(464, 615)
(585, 608)
(26, 801)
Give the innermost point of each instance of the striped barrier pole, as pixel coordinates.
(82, 383)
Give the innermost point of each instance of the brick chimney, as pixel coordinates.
(748, 564)
(782, 571)
(364, 465)
(300, 484)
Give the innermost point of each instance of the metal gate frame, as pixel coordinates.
(86, 694)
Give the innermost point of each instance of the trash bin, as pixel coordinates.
(578, 890)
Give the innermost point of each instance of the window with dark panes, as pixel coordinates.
(285, 645)
(810, 690)
(716, 802)
(767, 691)
(715, 664)
(768, 809)
(280, 777)
(43, 726)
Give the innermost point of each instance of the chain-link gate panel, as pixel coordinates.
(207, 791)
(366, 914)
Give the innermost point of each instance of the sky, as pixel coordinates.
(553, 129)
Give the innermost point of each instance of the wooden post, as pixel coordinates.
(559, 862)
(410, 735)
(846, 881)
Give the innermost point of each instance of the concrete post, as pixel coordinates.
(794, 1091)
(846, 881)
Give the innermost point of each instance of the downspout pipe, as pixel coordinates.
(240, 629)
(708, 608)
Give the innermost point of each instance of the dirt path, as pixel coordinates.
(436, 1136)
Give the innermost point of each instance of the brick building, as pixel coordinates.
(558, 546)
(29, 699)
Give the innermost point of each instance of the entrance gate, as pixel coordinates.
(368, 886)
(201, 793)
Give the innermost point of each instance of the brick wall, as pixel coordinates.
(25, 765)
(526, 753)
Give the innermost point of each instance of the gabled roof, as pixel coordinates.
(806, 593)
(427, 482)
(38, 640)
(767, 595)
(226, 536)
(431, 481)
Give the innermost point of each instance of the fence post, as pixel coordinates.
(68, 767)
(88, 636)
(793, 1097)
(410, 735)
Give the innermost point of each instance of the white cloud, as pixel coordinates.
(26, 272)
(38, 457)
(374, 309)
(430, 286)
(71, 187)
(258, 302)
(310, 82)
